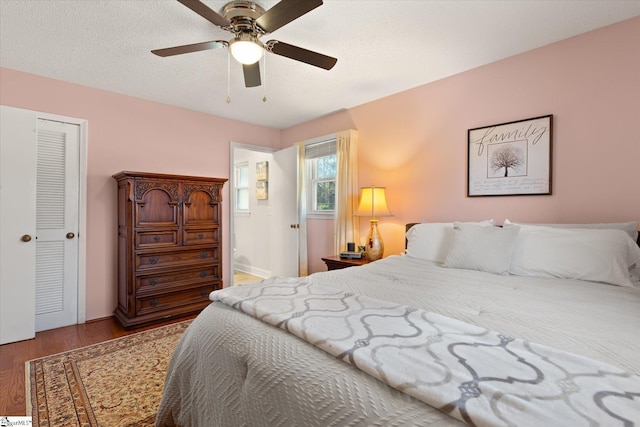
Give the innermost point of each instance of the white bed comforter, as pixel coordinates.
(259, 384)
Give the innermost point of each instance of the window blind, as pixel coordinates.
(320, 149)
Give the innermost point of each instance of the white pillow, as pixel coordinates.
(631, 228)
(431, 240)
(475, 247)
(598, 255)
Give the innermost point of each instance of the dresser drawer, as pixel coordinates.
(176, 259)
(201, 236)
(156, 239)
(156, 303)
(175, 280)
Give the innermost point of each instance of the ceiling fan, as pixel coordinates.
(248, 21)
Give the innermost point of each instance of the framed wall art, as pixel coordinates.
(262, 171)
(262, 190)
(511, 158)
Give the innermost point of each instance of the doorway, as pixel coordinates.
(264, 229)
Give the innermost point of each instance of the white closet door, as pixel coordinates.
(17, 224)
(56, 281)
(39, 205)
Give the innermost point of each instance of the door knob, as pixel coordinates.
(26, 238)
(70, 235)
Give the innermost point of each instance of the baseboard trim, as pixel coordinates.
(249, 269)
(98, 319)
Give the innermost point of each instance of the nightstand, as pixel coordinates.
(336, 263)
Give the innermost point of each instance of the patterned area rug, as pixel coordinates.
(114, 383)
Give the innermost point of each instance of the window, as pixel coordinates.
(321, 178)
(242, 187)
(324, 183)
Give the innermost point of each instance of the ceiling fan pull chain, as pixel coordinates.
(228, 77)
(264, 77)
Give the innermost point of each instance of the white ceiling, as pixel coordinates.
(383, 47)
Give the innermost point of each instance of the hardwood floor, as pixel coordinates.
(13, 356)
(240, 277)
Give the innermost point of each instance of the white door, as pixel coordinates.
(283, 193)
(39, 180)
(17, 225)
(56, 297)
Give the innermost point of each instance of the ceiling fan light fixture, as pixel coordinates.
(248, 22)
(246, 49)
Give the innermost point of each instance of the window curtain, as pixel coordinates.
(302, 211)
(346, 226)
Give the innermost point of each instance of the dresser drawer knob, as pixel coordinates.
(200, 236)
(204, 293)
(203, 255)
(156, 239)
(203, 274)
(153, 302)
(154, 281)
(153, 260)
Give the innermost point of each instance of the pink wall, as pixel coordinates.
(127, 133)
(414, 142)
(319, 243)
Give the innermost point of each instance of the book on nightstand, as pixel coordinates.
(351, 255)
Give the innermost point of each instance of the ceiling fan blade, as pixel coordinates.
(196, 47)
(207, 13)
(299, 54)
(252, 74)
(285, 12)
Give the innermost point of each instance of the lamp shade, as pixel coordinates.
(246, 49)
(373, 202)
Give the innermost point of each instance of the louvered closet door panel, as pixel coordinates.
(56, 217)
(50, 182)
(49, 277)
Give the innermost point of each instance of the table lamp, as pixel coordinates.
(373, 203)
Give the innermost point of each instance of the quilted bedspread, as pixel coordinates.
(234, 369)
(479, 376)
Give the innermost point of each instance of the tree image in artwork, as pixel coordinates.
(507, 160)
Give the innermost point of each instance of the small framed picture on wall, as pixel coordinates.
(262, 171)
(262, 190)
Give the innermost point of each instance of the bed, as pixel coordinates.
(514, 325)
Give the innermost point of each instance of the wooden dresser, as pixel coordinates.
(169, 245)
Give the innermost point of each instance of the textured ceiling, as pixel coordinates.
(383, 47)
